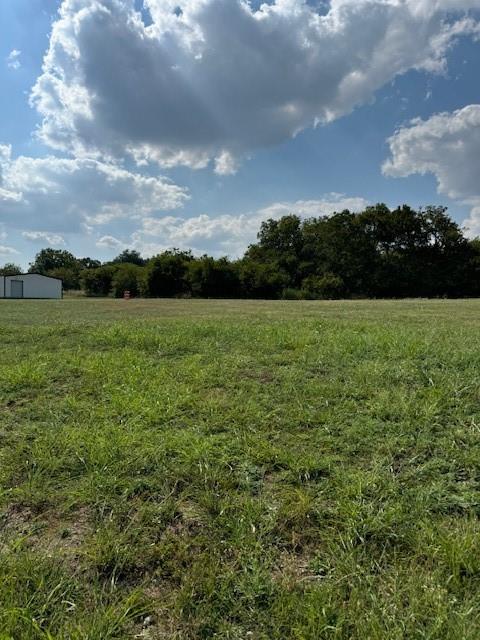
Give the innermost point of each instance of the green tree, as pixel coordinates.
(327, 286)
(280, 243)
(165, 274)
(58, 263)
(261, 280)
(340, 245)
(210, 278)
(97, 282)
(48, 259)
(89, 263)
(129, 256)
(126, 278)
(70, 277)
(10, 269)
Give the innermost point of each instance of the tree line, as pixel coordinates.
(378, 252)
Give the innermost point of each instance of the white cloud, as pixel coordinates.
(65, 193)
(225, 164)
(7, 251)
(446, 145)
(53, 239)
(13, 61)
(228, 234)
(110, 242)
(219, 79)
(331, 203)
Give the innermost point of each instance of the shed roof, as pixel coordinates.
(16, 275)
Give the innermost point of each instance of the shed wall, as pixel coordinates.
(34, 286)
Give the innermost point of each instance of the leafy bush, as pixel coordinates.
(97, 282)
(210, 278)
(293, 294)
(261, 280)
(70, 276)
(126, 278)
(328, 286)
(165, 275)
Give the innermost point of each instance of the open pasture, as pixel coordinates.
(190, 469)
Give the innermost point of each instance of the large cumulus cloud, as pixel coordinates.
(61, 194)
(446, 145)
(217, 79)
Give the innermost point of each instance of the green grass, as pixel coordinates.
(239, 470)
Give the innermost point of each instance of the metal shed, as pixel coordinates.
(30, 285)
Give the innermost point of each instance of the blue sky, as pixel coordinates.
(140, 132)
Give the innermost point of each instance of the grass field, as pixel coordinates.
(239, 470)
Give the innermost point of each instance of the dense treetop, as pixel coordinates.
(375, 253)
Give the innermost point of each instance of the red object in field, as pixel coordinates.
(126, 295)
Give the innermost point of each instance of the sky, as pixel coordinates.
(154, 124)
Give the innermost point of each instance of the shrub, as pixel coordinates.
(293, 294)
(261, 280)
(97, 282)
(126, 278)
(165, 275)
(326, 286)
(210, 278)
(70, 276)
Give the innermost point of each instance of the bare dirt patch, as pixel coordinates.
(293, 569)
(263, 376)
(49, 532)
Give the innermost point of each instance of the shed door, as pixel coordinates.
(16, 290)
